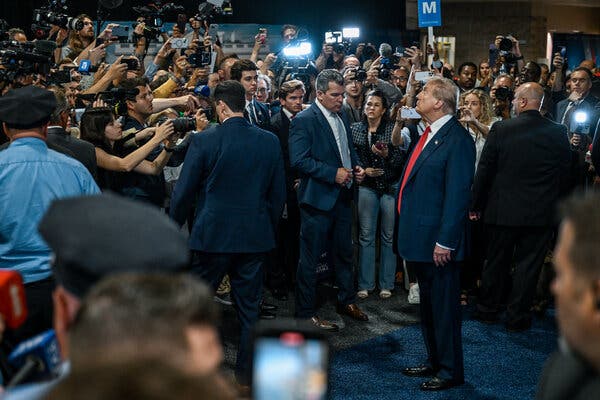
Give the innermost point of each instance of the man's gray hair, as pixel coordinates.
(326, 76)
(445, 90)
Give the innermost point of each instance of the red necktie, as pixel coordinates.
(411, 162)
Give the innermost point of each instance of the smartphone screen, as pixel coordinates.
(290, 366)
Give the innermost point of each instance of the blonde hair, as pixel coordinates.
(486, 116)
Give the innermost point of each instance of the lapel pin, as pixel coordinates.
(436, 142)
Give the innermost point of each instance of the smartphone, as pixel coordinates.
(78, 113)
(409, 113)
(563, 51)
(423, 76)
(262, 35)
(291, 360)
(213, 31)
(437, 64)
(399, 51)
(132, 63)
(179, 43)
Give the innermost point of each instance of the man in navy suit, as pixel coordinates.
(236, 172)
(321, 151)
(433, 200)
(255, 112)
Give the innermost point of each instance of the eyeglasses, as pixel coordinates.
(261, 90)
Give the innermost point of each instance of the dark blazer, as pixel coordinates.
(235, 171)
(280, 126)
(523, 171)
(436, 196)
(589, 104)
(568, 377)
(84, 151)
(262, 114)
(314, 154)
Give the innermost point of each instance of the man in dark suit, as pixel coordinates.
(523, 171)
(255, 112)
(432, 209)
(573, 372)
(282, 268)
(83, 151)
(236, 172)
(581, 103)
(321, 151)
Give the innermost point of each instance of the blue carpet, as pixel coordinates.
(498, 364)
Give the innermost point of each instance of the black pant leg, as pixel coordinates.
(530, 251)
(496, 272)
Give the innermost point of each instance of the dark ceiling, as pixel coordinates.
(317, 15)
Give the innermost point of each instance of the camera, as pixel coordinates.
(359, 74)
(115, 98)
(132, 63)
(201, 58)
(504, 94)
(154, 15)
(207, 11)
(179, 43)
(25, 58)
(54, 13)
(184, 124)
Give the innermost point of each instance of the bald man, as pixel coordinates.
(522, 173)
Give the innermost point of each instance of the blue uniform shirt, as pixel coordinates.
(31, 177)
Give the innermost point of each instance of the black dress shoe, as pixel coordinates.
(264, 314)
(267, 306)
(421, 370)
(279, 294)
(436, 383)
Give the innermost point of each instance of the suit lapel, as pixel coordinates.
(431, 147)
(327, 130)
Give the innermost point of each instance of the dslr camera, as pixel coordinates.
(54, 13)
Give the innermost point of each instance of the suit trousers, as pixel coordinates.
(245, 272)
(322, 231)
(283, 260)
(441, 323)
(527, 248)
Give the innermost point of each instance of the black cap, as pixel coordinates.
(27, 107)
(96, 236)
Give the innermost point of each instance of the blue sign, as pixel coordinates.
(430, 13)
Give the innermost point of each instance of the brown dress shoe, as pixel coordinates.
(325, 325)
(352, 311)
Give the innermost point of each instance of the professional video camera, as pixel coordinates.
(19, 59)
(387, 62)
(53, 14)
(342, 40)
(154, 15)
(115, 98)
(296, 62)
(210, 9)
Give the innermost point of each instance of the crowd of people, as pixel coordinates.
(450, 182)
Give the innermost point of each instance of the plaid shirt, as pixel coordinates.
(392, 165)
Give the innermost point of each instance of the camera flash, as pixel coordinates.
(580, 117)
(350, 33)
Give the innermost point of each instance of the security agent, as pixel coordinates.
(574, 371)
(31, 177)
(93, 237)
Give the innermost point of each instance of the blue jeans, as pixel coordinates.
(369, 205)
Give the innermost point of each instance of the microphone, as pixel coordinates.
(13, 307)
(35, 359)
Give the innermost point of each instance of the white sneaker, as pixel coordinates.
(413, 294)
(362, 294)
(385, 294)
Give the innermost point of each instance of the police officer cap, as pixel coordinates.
(27, 107)
(96, 236)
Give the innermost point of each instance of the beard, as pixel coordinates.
(574, 96)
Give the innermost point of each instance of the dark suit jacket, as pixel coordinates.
(436, 196)
(280, 126)
(314, 154)
(523, 171)
(262, 114)
(568, 377)
(589, 105)
(84, 151)
(235, 170)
